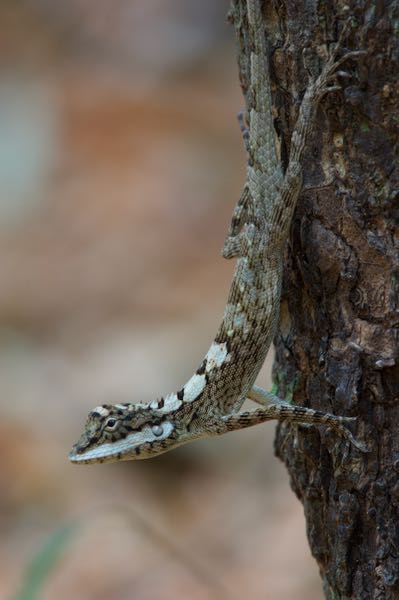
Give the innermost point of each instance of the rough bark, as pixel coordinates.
(337, 346)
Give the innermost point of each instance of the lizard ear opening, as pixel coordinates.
(157, 430)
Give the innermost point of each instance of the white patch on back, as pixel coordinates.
(216, 356)
(194, 387)
(171, 402)
(125, 446)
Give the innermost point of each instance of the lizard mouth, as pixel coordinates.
(136, 445)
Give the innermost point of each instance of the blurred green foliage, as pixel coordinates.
(43, 562)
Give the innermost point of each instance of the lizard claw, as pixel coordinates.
(332, 88)
(343, 74)
(333, 65)
(325, 83)
(362, 446)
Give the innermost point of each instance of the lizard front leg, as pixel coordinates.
(261, 396)
(292, 413)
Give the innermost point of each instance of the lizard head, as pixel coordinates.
(123, 432)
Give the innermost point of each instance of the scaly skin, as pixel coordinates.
(209, 402)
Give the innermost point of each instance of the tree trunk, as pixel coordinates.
(337, 346)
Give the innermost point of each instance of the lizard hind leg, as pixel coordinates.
(235, 242)
(241, 212)
(233, 246)
(264, 398)
(239, 244)
(243, 122)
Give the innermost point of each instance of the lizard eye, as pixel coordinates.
(157, 430)
(111, 424)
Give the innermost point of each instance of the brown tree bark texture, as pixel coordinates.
(337, 345)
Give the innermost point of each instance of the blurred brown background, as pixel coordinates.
(120, 163)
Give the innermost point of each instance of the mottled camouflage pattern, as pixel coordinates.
(209, 403)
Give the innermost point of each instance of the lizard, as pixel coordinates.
(210, 402)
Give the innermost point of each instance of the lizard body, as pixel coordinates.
(209, 403)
